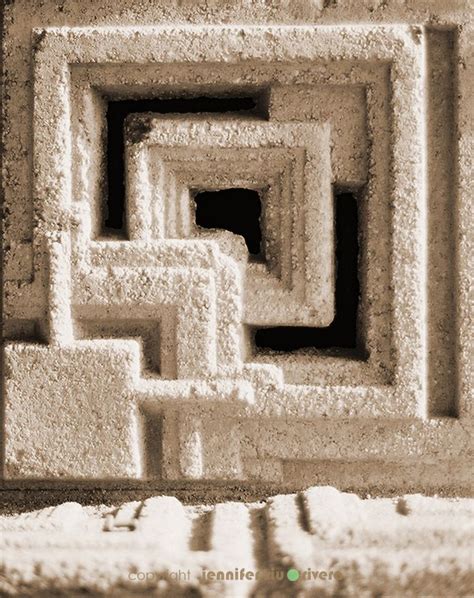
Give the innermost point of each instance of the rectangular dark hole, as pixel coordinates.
(117, 112)
(152, 435)
(201, 532)
(342, 332)
(236, 210)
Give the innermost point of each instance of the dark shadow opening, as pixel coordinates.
(152, 434)
(236, 210)
(201, 532)
(117, 112)
(342, 332)
(23, 330)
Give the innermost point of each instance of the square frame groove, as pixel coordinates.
(65, 221)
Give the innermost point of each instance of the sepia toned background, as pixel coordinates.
(236, 265)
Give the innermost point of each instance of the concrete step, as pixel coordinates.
(320, 542)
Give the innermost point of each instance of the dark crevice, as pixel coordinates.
(152, 449)
(201, 532)
(236, 210)
(259, 526)
(24, 330)
(303, 513)
(117, 112)
(342, 332)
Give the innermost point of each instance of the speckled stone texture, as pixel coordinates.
(339, 544)
(130, 361)
(131, 355)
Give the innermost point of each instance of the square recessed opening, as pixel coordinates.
(117, 110)
(237, 210)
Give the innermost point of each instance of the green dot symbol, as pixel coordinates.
(293, 574)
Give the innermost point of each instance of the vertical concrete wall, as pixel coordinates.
(143, 344)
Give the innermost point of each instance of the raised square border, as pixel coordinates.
(305, 295)
(346, 401)
(62, 48)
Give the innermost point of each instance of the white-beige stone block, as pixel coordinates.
(131, 355)
(337, 543)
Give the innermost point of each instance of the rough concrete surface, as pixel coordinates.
(320, 542)
(151, 343)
